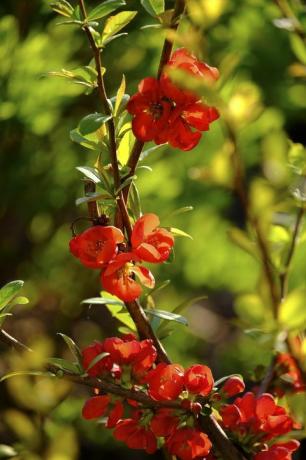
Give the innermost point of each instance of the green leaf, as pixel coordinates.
(153, 7)
(251, 309)
(91, 173)
(75, 136)
(85, 76)
(63, 364)
(292, 312)
(298, 47)
(134, 201)
(21, 373)
(9, 291)
(62, 7)
(96, 360)
(104, 9)
(103, 301)
(115, 23)
(242, 240)
(125, 147)
(178, 232)
(72, 347)
(167, 315)
(97, 196)
(92, 123)
(120, 94)
(223, 379)
(127, 181)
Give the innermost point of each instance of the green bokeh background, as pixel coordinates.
(39, 185)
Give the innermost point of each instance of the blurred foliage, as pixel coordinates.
(262, 66)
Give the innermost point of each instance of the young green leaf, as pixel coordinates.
(103, 301)
(134, 201)
(9, 291)
(125, 147)
(62, 7)
(20, 373)
(97, 196)
(7, 451)
(97, 359)
(115, 23)
(75, 136)
(120, 94)
(104, 9)
(92, 123)
(125, 183)
(153, 7)
(72, 347)
(167, 315)
(64, 365)
(91, 173)
(178, 232)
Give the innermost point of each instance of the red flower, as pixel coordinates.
(97, 406)
(150, 243)
(96, 246)
(150, 110)
(164, 423)
(184, 60)
(198, 380)
(121, 352)
(90, 353)
(188, 444)
(233, 386)
(163, 112)
(135, 436)
(279, 451)
(144, 359)
(166, 381)
(118, 279)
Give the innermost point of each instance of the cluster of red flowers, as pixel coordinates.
(256, 423)
(100, 247)
(162, 112)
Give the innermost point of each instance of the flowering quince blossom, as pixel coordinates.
(96, 246)
(198, 380)
(118, 277)
(163, 112)
(189, 443)
(165, 382)
(255, 423)
(151, 243)
(250, 419)
(233, 386)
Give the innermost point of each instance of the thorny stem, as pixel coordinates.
(165, 56)
(110, 122)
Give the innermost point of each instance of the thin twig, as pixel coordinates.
(110, 122)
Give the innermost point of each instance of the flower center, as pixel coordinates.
(156, 110)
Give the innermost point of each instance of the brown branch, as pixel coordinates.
(165, 56)
(219, 439)
(110, 123)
